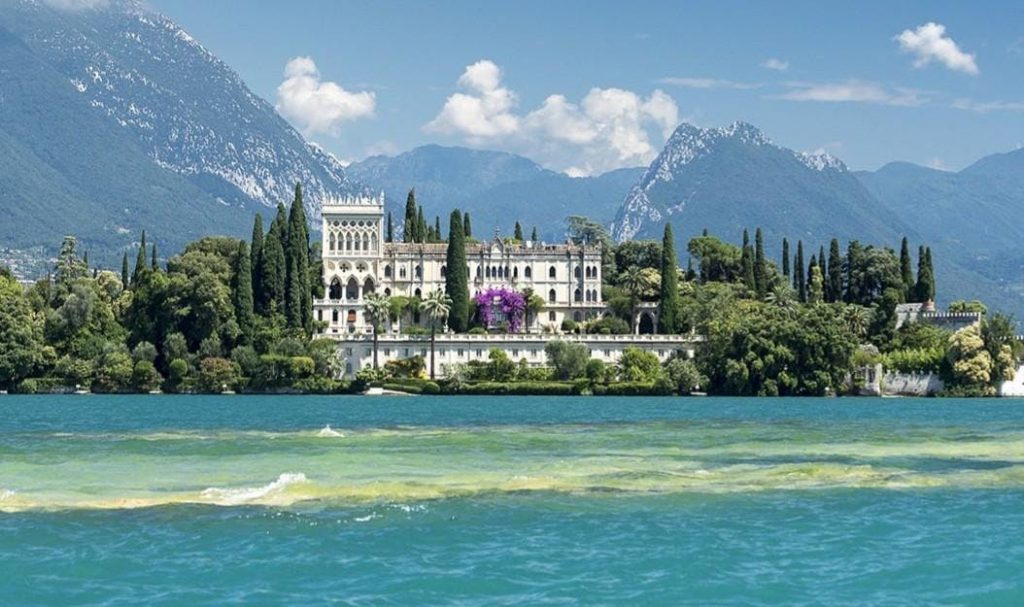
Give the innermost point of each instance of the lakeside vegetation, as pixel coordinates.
(226, 314)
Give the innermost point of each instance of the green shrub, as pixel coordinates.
(569, 325)
(413, 386)
(521, 388)
(177, 371)
(216, 375)
(634, 389)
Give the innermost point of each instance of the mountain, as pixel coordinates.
(971, 214)
(114, 119)
(496, 188)
(731, 178)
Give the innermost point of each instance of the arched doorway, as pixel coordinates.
(646, 325)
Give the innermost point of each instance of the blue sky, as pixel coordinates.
(588, 86)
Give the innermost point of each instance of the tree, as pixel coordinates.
(799, 284)
(854, 260)
(456, 281)
(437, 229)
(785, 257)
(668, 302)
(409, 228)
(683, 374)
(242, 295)
(421, 226)
(256, 260)
(747, 264)
(298, 296)
(533, 235)
(124, 270)
(273, 271)
(467, 228)
(816, 285)
(436, 305)
(21, 334)
(154, 263)
(906, 270)
(140, 261)
(216, 375)
(517, 233)
(567, 359)
(760, 265)
(378, 309)
(835, 272)
(390, 234)
(638, 365)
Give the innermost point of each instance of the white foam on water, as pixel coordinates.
(244, 495)
(328, 432)
(367, 518)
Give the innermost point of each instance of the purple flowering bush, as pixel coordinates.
(497, 305)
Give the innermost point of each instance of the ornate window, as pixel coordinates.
(577, 295)
(527, 272)
(552, 296)
(419, 271)
(387, 271)
(578, 272)
(334, 292)
(552, 273)
(352, 289)
(444, 271)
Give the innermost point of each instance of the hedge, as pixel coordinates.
(43, 385)
(632, 389)
(412, 386)
(524, 388)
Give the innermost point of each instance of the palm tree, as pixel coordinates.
(635, 283)
(378, 309)
(437, 305)
(857, 318)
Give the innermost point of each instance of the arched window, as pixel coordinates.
(334, 316)
(335, 290)
(515, 272)
(387, 292)
(577, 295)
(577, 316)
(368, 286)
(586, 295)
(419, 271)
(552, 272)
(352, 289)
(366, 242)
(401, 272)
(487, 272)
(387, 271)
(552, 296)
(355, 244)
(527, 272)
(578, 272)
(348, 242)
(478, 271)
(552, 316)
(334, 241)
(419, 295)
(508, 272)
(319, 314)
(444, 271)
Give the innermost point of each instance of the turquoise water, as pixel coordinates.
(478, 501)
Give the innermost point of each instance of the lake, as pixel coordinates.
(207, 500)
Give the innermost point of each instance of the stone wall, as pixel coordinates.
(911, 384)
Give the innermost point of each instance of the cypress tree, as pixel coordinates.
(409, 231)
(760, 265)
(124, 271)
(931, 274)
(690, 274)
(437, 228)
(256, 260)
(242, 292)
(517, 233)
(854, 282)
(533, 235)
(785, 257)
(273, 270)
(390, 235)
(140, 261)
(456, 278)
(798, 272)
(906, 270)
(85, 259)
(669, 299)
(155, 265)
(821, 264)
(466, 228)
(421, 227)
(298, 296)
(834, 291)
(748, 263)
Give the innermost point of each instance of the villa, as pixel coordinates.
(358, 261)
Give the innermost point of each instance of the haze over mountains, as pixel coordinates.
(116, 120)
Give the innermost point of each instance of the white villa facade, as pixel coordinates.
(357, 261)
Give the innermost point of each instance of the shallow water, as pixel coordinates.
(477, 500)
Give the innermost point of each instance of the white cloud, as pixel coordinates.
(984, 107)
(775, 64)
(929, 42)
(853, 91)
(483, 112)
(706, 83)
(608, 129)
(317, 106)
